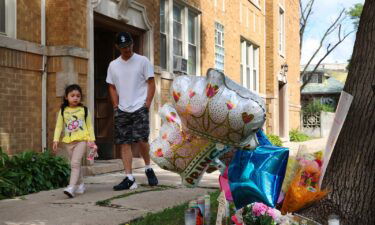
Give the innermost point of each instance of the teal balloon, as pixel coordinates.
(257, 176)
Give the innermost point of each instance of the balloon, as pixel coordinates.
(217, 108)
(179, 151)
(257, 176)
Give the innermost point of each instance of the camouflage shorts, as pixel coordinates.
(132, 127)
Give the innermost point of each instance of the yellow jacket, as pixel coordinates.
(76, 128)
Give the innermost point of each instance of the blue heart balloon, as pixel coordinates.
(257, 176)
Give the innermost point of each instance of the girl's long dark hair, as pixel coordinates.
(68, 89)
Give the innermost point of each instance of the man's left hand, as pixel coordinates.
(148, 104)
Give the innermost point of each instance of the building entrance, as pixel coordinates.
(105, 29)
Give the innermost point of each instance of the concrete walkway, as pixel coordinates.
(313, 145)
(54, 208)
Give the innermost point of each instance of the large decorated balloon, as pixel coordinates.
(219, 109)
(179, 151)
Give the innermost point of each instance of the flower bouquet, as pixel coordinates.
(260, 214)
(304, 188)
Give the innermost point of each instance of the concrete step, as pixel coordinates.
(109, 166)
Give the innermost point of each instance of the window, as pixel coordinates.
(256, 2)
(163, 36)
(179, 36)
(192, 43)
(315, 78)
(219, 46)
(8, 12)
(2, 16)
(177, 33)
(281, 31)
(250, 66)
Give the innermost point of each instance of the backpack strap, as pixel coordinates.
(62, 114)
(86, 112)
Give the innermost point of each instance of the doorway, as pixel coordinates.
(283, 110)
(105, 29)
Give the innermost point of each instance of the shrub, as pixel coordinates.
(30, 172)
(275, 140)
(316, 106)
(327, 108)
(296, 136)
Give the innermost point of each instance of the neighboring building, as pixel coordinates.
(323, 87)
(47, 44)
(327, 66)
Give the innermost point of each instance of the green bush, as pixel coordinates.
(296, 136)
(275, 140)
(30, 172)
(327, 108)
(316, 106)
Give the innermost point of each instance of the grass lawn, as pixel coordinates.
(175, 215)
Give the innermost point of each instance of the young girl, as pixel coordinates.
(78, 134)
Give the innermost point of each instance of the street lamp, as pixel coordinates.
(284, 67)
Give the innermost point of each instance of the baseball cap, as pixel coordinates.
(123, 39)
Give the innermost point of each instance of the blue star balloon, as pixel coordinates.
(257, 176)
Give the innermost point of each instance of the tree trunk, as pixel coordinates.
(350, 174)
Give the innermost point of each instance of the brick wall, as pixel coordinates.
(20, 101)
(165, 91)
(293, 60)
(274, 61)
(235, 28)
(54, 98)
(152, 9)
(28, 20)
(66, 23)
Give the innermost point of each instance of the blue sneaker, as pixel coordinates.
(125, 184)
(152, 179)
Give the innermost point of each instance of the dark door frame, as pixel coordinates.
(104, 25)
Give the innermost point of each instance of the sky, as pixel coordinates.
(324, 12)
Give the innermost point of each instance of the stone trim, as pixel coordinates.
(295, 106)
(67, 51)
(31, 47)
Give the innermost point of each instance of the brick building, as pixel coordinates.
(47, 44)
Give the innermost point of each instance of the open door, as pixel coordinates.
(105, 29)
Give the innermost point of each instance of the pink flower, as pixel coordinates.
(259, 209)
(274, 213)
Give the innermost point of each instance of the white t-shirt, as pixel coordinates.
(130, 79)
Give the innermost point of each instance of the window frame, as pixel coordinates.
(256, 3)
(218, 45)
(281, 31)
(165, 34)
(249, 65)
(10, 22)
(186, 10)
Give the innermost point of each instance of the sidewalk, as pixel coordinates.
(313, 145)
(54, 208)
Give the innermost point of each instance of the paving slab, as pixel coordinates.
(54, 208)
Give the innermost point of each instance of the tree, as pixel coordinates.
(350, 173)
(355, 13)
(335, 27)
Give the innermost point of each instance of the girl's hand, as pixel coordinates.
(54, 147)
(92, 145)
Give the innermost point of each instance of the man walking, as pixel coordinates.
(131, 87)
